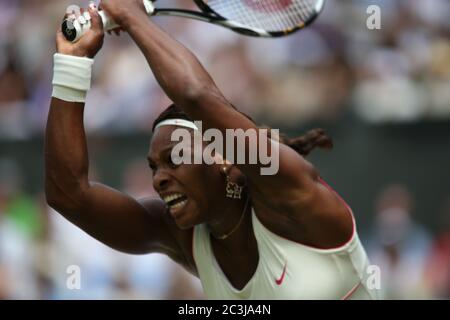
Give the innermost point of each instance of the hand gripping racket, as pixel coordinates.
(258, 18)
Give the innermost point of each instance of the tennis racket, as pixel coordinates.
(258, 18)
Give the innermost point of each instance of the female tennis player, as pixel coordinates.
(245, 235)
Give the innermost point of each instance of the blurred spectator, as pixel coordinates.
(12, 101)
(183, 285)
(438, 266)
(17, 232)
(399, 245)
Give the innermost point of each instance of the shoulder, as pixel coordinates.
(322, 219)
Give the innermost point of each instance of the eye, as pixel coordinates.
(152, 168)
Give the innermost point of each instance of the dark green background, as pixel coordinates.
(365, 159)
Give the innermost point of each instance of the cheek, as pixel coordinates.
(201, 179)
(213, 180)
(205, 186)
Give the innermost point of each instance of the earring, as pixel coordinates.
(233, 190)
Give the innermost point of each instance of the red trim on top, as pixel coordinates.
(349, 210)
(352, 291)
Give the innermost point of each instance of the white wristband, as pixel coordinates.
(71, 77)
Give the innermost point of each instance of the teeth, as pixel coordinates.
(179, 204)
(172, 197)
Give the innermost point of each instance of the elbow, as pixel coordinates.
(61, 199)
(61, 204)
(197, 96)
(56, 205)
(51, 196)
(54, 200)
(190, 97)
(195, 93)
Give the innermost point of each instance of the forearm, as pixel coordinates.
(177, 70)
(66, 156)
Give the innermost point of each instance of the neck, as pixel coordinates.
(230, 226)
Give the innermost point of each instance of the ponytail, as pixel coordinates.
(304, 144)
(316, 138)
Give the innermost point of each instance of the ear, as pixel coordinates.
(235, 174)
(226, 168)
(224, 164)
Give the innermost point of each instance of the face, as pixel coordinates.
(189, 190)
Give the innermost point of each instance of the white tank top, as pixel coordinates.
(287, 269)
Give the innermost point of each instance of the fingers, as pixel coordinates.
(81, 17)
(59, 38)
(72, 12)
(62, 45)
(96, 20)
(116, 31)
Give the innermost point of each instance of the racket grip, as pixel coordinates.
(74, 29)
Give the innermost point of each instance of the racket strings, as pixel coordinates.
(292, 16)
(270, 15)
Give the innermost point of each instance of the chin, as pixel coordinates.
(187, 221)
(185, 224)
(187, 217)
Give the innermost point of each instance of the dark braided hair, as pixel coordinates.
(303, 144)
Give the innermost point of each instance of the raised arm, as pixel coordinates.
(108, 215)
(185, 80)
(295, 189)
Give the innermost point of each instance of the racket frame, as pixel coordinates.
(207, 14)
(260, 32)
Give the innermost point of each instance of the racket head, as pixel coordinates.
(277, 17)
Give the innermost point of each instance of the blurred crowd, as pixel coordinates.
(414, 264)
(400, 73)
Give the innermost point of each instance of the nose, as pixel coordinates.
(160, 180)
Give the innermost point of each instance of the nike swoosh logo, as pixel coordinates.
(280, 280)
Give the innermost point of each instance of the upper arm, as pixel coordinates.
(291, 175)
(122, 222)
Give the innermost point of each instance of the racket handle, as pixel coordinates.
(74, 29)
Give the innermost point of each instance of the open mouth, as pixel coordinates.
(175, 201)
